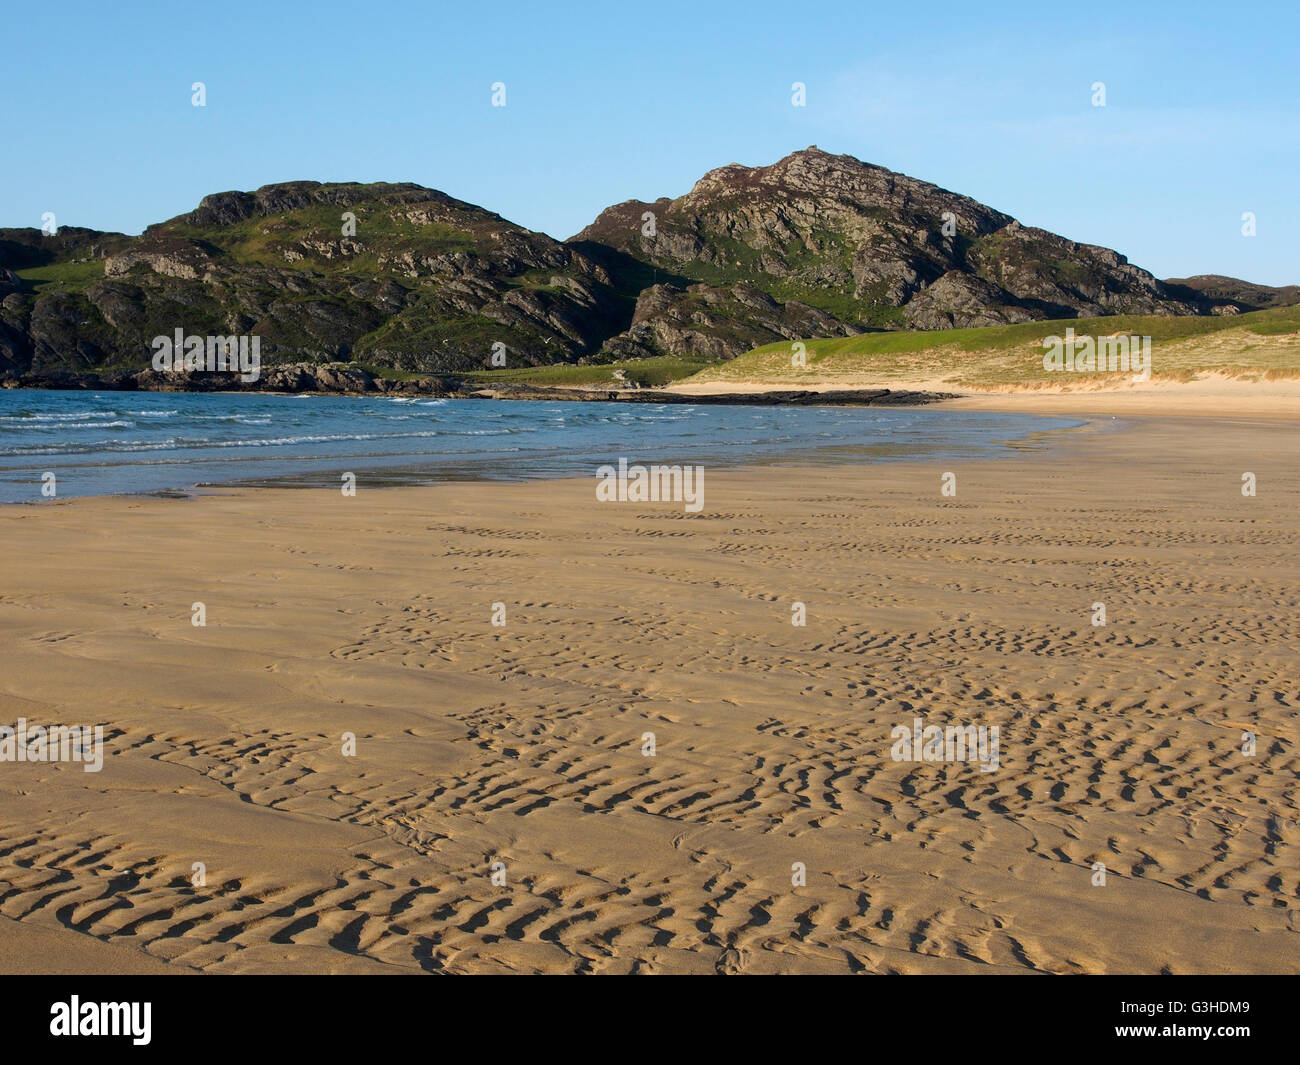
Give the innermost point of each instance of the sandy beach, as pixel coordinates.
(769, 829)
(1211, 395)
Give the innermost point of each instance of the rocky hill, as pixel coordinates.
(826, 245)
(1231, 290)
(404, 277)
(425, 282)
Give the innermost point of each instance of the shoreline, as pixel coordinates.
(452, 388)
(321, 472)
(1040, 441)
(1092, 410)
(1210, 395)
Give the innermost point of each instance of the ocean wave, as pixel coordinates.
(179, 443)
(39, 416)
(63, 427)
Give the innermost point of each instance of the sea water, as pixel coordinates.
(100, 443)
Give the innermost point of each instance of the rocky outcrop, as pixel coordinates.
(716, 323)
(869, 248)
(332, 378)
(963, 300)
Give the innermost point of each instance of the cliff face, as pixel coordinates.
(410, 278)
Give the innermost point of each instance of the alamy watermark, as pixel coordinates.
(1109, 354)
(77, 1018)
(241, 354)
(57, 743)
(651, 484)
(954, 743)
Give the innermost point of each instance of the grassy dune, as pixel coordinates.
(1261, 344)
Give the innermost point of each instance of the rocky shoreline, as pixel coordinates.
(337, 379)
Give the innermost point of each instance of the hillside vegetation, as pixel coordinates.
(1256, 344)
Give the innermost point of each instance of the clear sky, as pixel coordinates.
(612, 101)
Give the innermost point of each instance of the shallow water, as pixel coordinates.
(99, 443)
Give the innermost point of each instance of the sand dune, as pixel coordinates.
(1215, 395)
(523, 744)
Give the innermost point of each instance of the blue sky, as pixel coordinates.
(607, 102)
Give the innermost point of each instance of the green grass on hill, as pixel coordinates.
(1260, 342)
(72, 276)
(381, 230)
